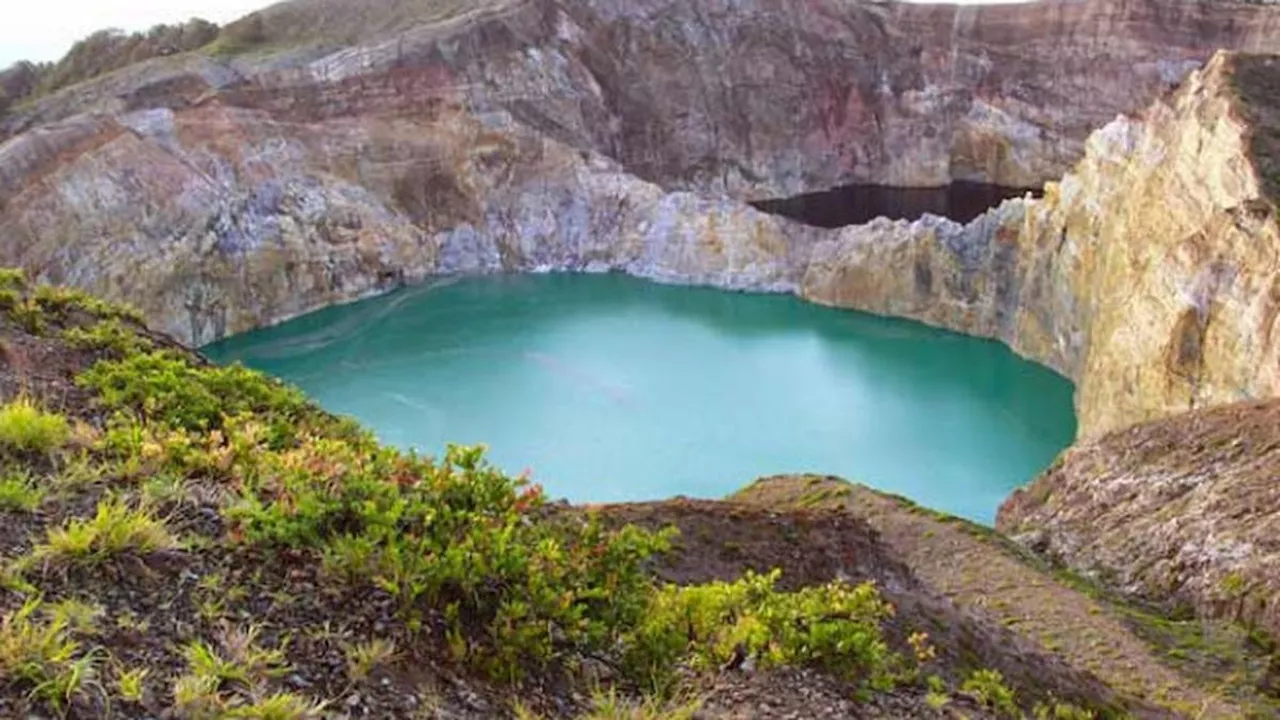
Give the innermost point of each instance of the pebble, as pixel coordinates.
(298, 681)
(353, 700)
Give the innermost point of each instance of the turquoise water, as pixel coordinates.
(611, 388)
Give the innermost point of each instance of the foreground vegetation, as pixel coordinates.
(159, 468)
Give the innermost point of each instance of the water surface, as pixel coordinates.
(610, 388)
(857, 204)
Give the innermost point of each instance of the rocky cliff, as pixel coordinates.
(345, 154)
(1148, 274)
(753, 98)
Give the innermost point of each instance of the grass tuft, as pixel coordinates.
(44, 656)
(26, 428)
(115, 529)
(363, 658)
(610, 706)
(19, 492)
(131, 684)
(228, 683)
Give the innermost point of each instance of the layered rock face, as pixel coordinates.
(753, 98)
(412, 139)
(218, 219)
(1148, 274)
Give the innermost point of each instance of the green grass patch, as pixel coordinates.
(115, 529)
(19, 491)
(44, 657)
(27, 428)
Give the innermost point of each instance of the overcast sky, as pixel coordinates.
(45, 29)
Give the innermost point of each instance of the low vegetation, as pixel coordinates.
(211, 464)
(19, 491)
(26, 428)
(41, 656)
(115, 529)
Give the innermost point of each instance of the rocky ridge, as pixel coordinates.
(224, 193)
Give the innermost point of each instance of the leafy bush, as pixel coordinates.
(460, 534)
(835, 627)
(163, 387)
(12, 279)
(34, 308)
(110, 336)
(60, 302)
(26, 428)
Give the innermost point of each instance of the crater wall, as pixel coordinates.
(225, 194)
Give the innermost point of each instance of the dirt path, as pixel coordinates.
(977, 570)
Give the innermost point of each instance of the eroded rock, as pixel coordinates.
(1180, 511)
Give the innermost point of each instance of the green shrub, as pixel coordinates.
(60, 302)
(12, 279)
(26, 313)
(110, 336)
(26, 428)
(835, 627)
(460, 534)
(164, 387)
(988, 688)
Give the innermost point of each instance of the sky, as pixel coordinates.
(45, 29)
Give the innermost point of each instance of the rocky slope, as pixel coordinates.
(1203, 666)
(1180, 511)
